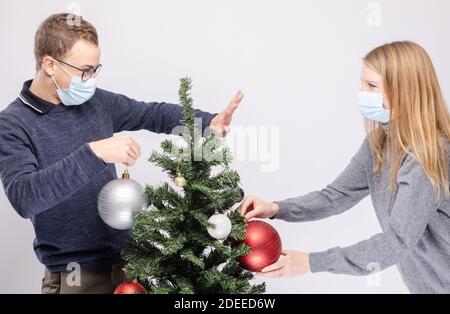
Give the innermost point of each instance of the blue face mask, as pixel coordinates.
(78, 92)
(371, 106)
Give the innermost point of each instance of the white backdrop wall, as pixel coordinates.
(298, 63)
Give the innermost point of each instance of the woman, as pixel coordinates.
(402, 164)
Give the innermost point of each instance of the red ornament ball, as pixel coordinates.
(264, 243)
(130, 287)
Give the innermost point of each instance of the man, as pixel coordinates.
(57, 151)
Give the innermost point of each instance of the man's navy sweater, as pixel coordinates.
(51, 175)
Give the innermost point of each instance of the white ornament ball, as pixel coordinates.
(222, 226)
(119, 200)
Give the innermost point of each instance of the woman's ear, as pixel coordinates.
(48, 65)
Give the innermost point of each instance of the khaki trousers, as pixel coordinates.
(90, 282)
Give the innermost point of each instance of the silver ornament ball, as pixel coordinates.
(222, 226)
(119, 200)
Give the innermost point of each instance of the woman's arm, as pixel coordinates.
(350, 187)
(414, 206)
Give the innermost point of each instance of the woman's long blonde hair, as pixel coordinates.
(419, 120)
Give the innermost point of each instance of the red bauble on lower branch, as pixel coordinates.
(130, 287)
(264, 243)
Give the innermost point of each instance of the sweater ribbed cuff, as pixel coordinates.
(283, 210)
(206, 119)
(321, 261)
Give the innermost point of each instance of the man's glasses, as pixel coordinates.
(87, 72)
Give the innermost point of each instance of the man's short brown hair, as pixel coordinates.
(58, 33)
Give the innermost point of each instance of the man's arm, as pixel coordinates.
(32, 191)
(128, 114)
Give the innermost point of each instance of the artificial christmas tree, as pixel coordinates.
(182, 243)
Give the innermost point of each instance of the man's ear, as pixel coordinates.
(48, 65)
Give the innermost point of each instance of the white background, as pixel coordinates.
(298, 63)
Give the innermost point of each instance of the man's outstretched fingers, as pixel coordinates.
(234, 104)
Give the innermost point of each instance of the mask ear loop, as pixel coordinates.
(64, 72)
(54, 81)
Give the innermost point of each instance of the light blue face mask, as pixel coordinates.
(78, 92)
(371, 106)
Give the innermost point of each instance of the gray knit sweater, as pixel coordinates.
(415, 228)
